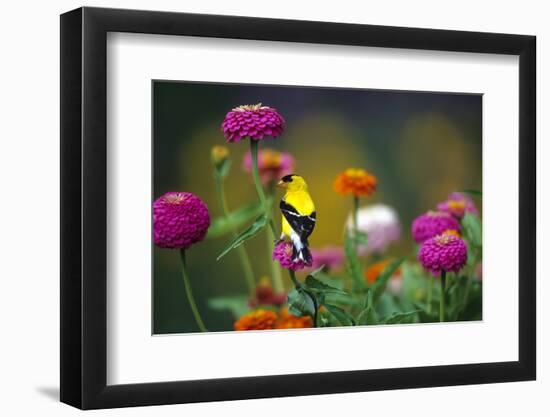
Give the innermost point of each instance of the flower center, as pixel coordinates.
(288, 249)
(456, 204)
(443, 239)
(355, 172)
(451, 232)
(250, 107)
(437, 214)
(271, 159)
(174, 198)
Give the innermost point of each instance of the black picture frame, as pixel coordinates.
(84, 207)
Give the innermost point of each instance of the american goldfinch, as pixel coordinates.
(299, 215)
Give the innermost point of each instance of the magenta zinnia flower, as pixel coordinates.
(272, 165)
(457, 204)
(283, 254)
(254, 121)
(332, 257)
(444, 252)
(432, 223)
(180, 219)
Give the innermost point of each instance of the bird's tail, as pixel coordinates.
(301, 252)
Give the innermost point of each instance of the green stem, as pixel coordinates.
(275, 269)
(430, 294)
(299, 286)
(241, 250)
(470, 277)
(355, 210)
(189, 292)
(278, 285)
(442, 300)
(295, 281)
(258, 183)
(271, 236)
(467, 292)
(355, 227)
(247, 267)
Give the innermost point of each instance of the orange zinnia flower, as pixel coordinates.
(374, 271)
(355, 181)
(257, 320)
(290, 321)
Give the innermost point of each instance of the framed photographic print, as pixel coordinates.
(259, 208)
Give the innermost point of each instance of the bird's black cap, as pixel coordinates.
(287, 178)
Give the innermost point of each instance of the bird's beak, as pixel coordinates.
(281, 184)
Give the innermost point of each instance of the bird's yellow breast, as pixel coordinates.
(301, 201)
(303, 204)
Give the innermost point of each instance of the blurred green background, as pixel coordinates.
(421, 146)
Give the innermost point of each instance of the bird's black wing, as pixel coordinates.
(303, 225)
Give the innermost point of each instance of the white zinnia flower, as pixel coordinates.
(381, 224)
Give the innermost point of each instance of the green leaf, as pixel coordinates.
(368, 299)
(344, 318)
(343, 299)
(379, 285)
(471, 192)
(472, 253)
(237, 304)
(472, 227)
(368, 315)
(425, 317)
(337, 294)
(300, 303)
(315, 285)
(396, 318)
(317, 271)
(329, 280)
(223, 225)
(361, 238)
(250, 232)
(473, 309)
(353, 265)
(363, 317)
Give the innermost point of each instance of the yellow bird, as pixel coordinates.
(299, 215)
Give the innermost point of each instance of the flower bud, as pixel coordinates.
(219, 155)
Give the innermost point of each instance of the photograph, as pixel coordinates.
(255, 209)
(292, 207)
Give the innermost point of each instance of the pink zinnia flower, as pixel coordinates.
(444, 252)
(479, 272)
(180, 219)
(457, 204)
(253, 121)
(283, 254)
(432, 223)
(272, 165)
(332, 257)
